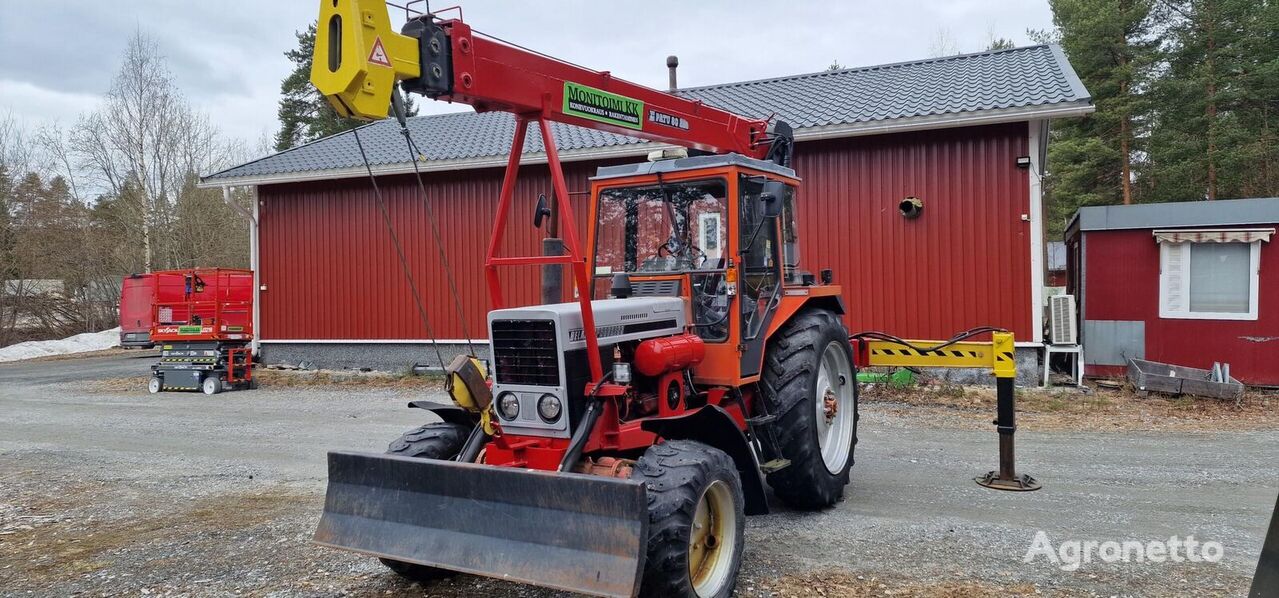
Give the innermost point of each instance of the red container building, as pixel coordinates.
(964, 134)
(1188, 284)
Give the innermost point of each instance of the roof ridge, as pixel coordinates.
(296, 147)
(339, 134)
(873, 67)
(912, 93)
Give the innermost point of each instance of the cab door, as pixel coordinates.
(759, 282)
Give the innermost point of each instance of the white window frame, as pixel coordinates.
(1166, 281)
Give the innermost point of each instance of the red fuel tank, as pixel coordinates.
(656, 356)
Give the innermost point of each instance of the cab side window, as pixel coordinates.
(790, 237)
(759, 267)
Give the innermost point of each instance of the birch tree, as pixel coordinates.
(148, 134)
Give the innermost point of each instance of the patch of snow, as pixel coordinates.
(89, 341)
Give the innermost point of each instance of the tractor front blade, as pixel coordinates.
(560, 530)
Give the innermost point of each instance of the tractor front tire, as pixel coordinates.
(440, 440)
(810, 385)
(696, 520)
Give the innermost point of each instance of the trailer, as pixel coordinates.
(137, 296)
(205, 335)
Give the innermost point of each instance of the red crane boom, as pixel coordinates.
(447, 60)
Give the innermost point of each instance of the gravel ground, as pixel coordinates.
(110, 491)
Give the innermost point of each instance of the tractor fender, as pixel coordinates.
(834, 303)
(791, 305)
(713, 426)
(448, 413)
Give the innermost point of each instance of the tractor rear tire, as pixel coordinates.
(810, 355)
(440, 440)
(696, 520)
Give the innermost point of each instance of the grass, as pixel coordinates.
(268, 379)
(1069, 408)
(307, 378)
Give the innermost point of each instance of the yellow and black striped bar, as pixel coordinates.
(996, 355)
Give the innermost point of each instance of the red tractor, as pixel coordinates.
(612, 444)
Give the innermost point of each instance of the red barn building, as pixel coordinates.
(965, 134)
(1187, 283)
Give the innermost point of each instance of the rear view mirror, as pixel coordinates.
(770, 199)
(541, 211)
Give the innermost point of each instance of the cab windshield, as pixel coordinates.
(669, 227)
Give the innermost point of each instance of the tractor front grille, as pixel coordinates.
(526, 352)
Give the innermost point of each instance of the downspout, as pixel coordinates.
(253, 255)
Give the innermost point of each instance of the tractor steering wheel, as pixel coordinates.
(697, 258)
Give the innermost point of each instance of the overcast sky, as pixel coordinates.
(58, 56)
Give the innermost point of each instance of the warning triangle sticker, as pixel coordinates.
(378, 54)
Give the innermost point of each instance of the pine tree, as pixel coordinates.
(1108, 42)
(1212, 135)
(304, 114)
(999, 43)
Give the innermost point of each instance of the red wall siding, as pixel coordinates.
(964, 262)
(1121, 282)
(331, 272)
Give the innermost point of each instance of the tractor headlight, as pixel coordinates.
(549, 408)
(508, 405)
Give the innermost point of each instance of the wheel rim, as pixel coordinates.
(154, 385)
(712, 540)
(836, 417)
(210, 385)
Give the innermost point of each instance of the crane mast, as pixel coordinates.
(359, 59)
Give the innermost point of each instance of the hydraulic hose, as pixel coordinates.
(584, 427)
(882, 336)
(474, 444)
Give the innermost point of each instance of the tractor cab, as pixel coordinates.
(716, 230)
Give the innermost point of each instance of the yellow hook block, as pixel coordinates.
(358, 58)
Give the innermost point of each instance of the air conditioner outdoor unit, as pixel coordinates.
(1064, 327)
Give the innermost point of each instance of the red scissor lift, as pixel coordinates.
(205, 336)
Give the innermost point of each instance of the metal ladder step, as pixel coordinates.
(774, 465)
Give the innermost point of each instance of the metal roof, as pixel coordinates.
(1221, 212)
(995, 86)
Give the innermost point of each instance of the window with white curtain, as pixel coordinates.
(1212, 280)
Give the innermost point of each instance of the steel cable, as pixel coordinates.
(399, 250)
(397, 104)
